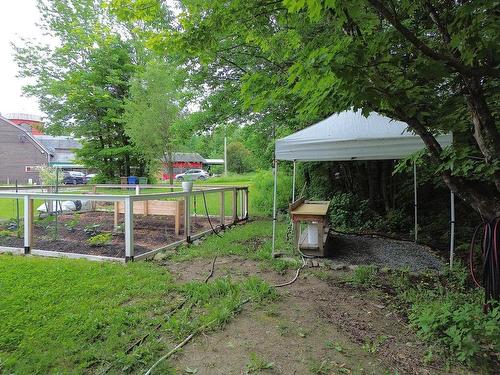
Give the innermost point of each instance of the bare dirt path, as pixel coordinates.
(319, 325)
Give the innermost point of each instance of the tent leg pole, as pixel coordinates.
(274, 206)
(415, 199)
(452, 227)
(293, 181)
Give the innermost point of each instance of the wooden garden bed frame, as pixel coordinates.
(132, 204)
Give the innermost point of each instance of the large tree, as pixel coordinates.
(153, 111)
(430, 63)
(83, 80)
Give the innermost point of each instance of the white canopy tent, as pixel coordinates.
(351, 136)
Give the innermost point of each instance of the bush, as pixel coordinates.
(458, 324)
(101, 239)
(449, 315)
(239, 158)
(348, 212)
(262, 195)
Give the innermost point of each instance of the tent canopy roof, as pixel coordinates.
(351, 136)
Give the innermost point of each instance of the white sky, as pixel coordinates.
(18, 19)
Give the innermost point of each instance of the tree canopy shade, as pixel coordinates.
(430, 64)
(351, 136)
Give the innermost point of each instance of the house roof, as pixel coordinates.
(55, 143)
(187, 157)
(28, 136)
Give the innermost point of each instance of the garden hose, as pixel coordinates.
(490, 254)
(208, 216)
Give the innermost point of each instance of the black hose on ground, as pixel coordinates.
(490, 254)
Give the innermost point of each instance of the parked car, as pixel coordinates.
(88, 177)
(73, 178)
(192, 174)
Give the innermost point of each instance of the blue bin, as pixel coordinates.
(132, 180)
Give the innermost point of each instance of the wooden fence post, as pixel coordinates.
(115, 214)
(179, 208)
(28, 224)
(235, 205)
(129, 229)
(222, 209)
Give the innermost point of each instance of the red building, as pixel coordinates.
(30, 123)
(182, 162)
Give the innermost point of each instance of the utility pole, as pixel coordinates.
(225, 155)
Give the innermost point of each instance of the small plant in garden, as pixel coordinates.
(7, 233)
(372, 346)
(101, 239)
(363, 276)
(334, 345)
(92, 229)
(257, 363)
(71, 224)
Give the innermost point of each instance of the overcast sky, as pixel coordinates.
(18, 19)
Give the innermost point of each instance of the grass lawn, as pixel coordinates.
(74, 316)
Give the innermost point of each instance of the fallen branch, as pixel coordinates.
(185, 341)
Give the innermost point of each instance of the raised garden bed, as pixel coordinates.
(73, 231)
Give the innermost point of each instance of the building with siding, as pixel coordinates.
(20, 154)
(182, 161)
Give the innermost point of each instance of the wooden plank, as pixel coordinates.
(292, 206)
(28, 224)
(319, 208)
(178, 214)
(115, 214)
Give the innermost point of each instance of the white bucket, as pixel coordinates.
(187, 186)
(312, 234)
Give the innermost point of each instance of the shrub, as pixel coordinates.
(458, 324)
(447, 313)
(348, 212)
(101, 239)
(262, 195)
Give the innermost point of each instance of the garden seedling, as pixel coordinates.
(257, 363)
(101, 239)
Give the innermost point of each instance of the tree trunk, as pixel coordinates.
(487, 204)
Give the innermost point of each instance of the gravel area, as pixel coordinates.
(357, 250)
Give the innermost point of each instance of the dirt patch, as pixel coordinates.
(318, 326)
(150, 232)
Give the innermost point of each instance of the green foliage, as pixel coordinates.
(92, 229)
(256, 363)
(101, 239)
(363, 276)
(239, 158)
(50, 176)
(82, 83)
(72, 224)
(7, 233)
(446, 313)
(262, 193)
(153, 109)
(348, 212)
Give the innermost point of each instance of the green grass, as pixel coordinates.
(75, 316)
(250, 241)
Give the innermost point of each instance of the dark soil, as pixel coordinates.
(150, 232)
